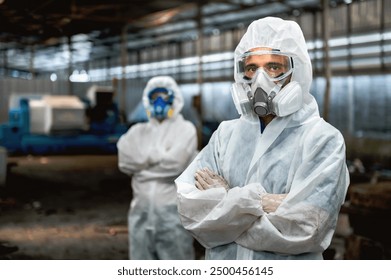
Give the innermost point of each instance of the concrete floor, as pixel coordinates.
(65, 207)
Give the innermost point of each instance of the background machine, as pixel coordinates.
(63, 124)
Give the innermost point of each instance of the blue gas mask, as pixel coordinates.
(160, 100)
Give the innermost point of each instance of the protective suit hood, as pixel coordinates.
(284, 35)
(164, 82)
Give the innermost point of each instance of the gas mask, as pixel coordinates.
(160, 100)
(262, 91)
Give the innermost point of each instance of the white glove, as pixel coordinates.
(207, 179)
(270, 202)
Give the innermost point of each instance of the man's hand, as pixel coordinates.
(270, 202)
(207, 179)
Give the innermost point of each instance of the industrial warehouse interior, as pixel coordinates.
(72, 76)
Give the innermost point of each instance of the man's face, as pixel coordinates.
(160, 100)
(273, 64)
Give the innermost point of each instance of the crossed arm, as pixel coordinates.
(206, 179)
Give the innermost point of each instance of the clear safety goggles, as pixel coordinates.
(165, 94)
(277, 65)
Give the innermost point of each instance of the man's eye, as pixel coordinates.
(251, 68)
(274, 66)
(275, 69)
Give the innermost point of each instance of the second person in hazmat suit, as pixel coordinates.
(270, 184)
(154, 154)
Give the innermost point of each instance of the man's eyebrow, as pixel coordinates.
(251, 64)
(267, 63)
(274, 62)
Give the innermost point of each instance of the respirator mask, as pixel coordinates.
(160, 101)
(262, 87)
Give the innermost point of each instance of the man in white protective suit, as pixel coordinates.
(154, 154)
(270, 184)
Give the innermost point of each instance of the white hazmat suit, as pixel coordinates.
(154, 154)
(299, 155)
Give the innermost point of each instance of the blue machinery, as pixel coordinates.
(101, 137)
